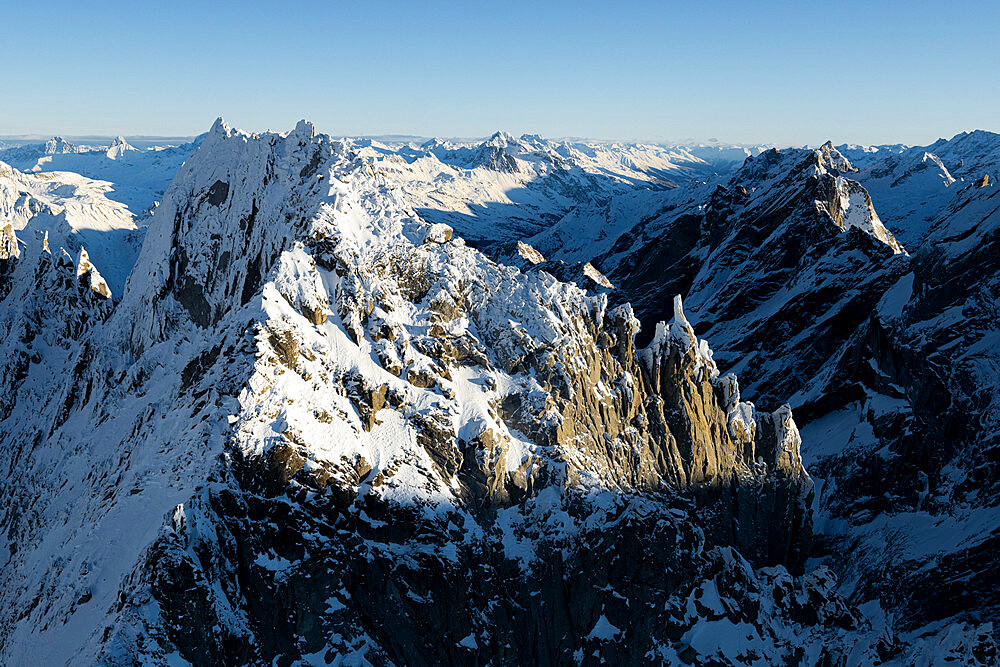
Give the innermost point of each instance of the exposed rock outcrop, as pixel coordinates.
(811, 299)
(365, 427)
(317, 428)
(9, 252)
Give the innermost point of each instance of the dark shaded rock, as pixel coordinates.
(218, 193)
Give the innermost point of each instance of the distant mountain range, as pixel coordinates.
(293, 399)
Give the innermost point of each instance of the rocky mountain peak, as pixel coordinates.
(358, 362)
(219, 130)
(502, 139)
(774, 166)
(317, 412)
(818, 174)
(225, 219)
(118, 148)
(831, 159)
(87, 273)
(58, 145)
(305, 129)
(433, 144)
(8, 242)
(494, 155)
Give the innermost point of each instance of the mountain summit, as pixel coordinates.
(294, 340)
(315, 425)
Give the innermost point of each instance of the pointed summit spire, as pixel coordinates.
(119, 147)
(88, 273)
(679, 310)
(83, 264)
(220, 129)
(8, 242)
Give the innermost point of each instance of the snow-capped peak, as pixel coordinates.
(118, 148)
(433, 144)
(324, 381)
(304, 129)
(58, 145)
(501, 139)
(220, 128)
(831, 159)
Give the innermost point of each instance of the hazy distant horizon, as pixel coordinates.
(156, 139)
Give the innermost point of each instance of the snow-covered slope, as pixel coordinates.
(507, 189)
(587, 232)
(890, 360)
(19, 154)
(862, 156)
(75, 212)
(138, 178)
(313, 414)
(316, 427)
(913, 186)
(724, 157)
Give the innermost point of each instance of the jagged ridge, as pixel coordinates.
(352, 364)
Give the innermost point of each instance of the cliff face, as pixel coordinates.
(314, 428)
(352, 424)
(924, 377)
(887, 355)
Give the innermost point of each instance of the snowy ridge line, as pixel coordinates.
(315, 407)
(72, 212)
(293, 329)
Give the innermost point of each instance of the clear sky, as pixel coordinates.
(785, 72)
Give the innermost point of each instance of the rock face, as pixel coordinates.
(930, 378)
(9, 252)
(888, 358)
(8, 243)
(318, 429)
(346, 430)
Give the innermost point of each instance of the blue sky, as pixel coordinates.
(784, 72)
